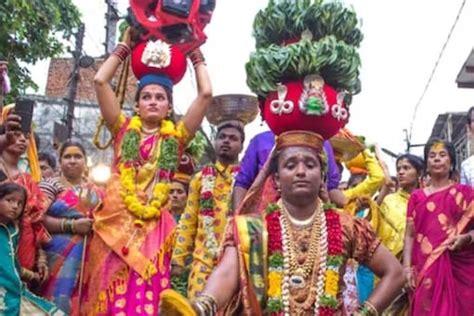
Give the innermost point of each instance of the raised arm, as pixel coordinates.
(196, 112)
(108, 102)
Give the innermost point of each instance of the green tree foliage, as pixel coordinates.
(31, 30)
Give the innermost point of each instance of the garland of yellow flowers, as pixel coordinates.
(167, 163)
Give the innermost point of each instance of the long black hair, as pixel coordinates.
(7, 188)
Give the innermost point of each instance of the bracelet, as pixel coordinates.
(68, 226)
(73, 230)
(27, 275)
(206, 304)
(63, 224)
(121, 51)
(200, 309)
(368, 309)
(196, 57)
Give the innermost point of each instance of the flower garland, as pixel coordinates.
(277, 289)
(130, 163)
(275, 259)
(335, 260)
(206, 203)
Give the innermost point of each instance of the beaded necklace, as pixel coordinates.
(282, 273)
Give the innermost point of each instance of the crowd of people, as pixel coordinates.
(276, 233)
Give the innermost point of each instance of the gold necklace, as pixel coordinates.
(300, 271)
(7, 169)
(304, 222)
(150, 131)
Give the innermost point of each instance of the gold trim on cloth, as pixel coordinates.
(299, 138)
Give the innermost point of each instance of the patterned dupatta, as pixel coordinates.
(65, 250)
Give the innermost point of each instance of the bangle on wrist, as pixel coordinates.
(121, 51)
(197, 57)
(206, 304)
(368, 309)
(68, 226)
(73, 230)
(63, 224)
(26, 274)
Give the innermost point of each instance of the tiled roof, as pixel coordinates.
(58, 78)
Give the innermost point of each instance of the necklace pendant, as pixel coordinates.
(297, 281)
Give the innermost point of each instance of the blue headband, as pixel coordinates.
(162, 80)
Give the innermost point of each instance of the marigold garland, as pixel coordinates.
(328, 301)
(167, 162)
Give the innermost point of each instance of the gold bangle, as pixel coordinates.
(208, 304)
(26, 274)
(200, 309)
(63, 222)
(73, 230)
(372, 310)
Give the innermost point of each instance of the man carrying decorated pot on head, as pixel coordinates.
(291, 259)
(201, 228)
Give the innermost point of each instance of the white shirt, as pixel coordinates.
(467, 171)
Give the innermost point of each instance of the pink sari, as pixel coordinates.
(118, 282)
(445, 279)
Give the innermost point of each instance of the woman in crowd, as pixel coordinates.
(15, 299)
(439, 249)
(393, 208)
(72, 201)
(128, 263)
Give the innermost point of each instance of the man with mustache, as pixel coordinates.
(201, 227)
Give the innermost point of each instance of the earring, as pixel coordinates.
(169, 114)
(135, 109)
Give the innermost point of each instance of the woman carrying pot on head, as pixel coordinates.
(128, 262)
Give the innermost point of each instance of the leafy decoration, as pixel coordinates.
(283, 20)
(337, 62)
(295, 38)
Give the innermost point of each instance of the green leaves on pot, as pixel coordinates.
(287, 19)
(336, 61)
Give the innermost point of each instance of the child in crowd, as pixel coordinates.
(15, 299)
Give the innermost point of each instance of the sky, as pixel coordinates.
(402, 41)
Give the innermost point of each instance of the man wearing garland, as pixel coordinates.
(201, 227)
(291, 260)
